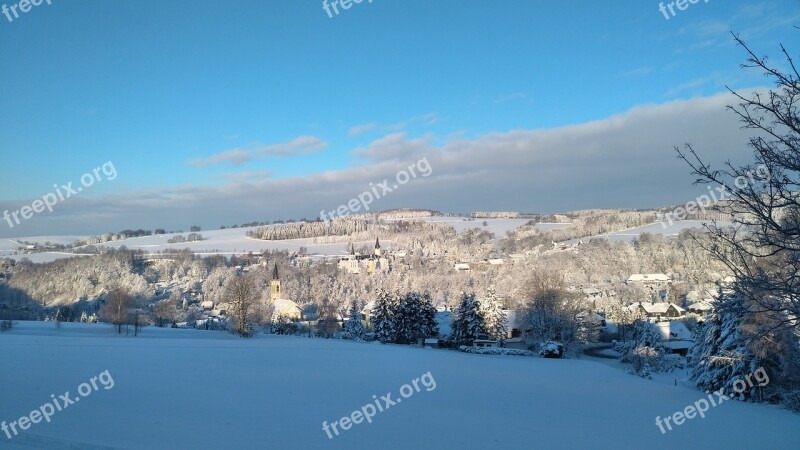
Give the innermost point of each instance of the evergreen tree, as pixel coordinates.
(353, 328)
(494, 319)
(428, 325)
(382, 317)
(468, 323)
(414, 318)
(720, 354)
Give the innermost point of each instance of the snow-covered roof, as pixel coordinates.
(286, 307)
(673, 331)
(701, 306)
(655, 308)
(640, 277)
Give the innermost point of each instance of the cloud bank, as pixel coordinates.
(626, 160)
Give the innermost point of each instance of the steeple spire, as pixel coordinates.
(275, 272)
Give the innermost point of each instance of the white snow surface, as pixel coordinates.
(200, 389)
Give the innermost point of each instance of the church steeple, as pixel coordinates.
(275, 284)
(377, 247)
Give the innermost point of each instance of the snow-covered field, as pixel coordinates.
(196, 389)
(497, 226)
(629, 235)
(234, 241)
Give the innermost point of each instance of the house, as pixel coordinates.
(675, 336)
(657, 311)
(651, 280)
(701, 308)
(461, 267)
(592, 293)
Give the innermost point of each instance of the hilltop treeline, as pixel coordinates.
(340, 227)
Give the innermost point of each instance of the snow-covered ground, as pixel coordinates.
(235, 241)
(666, 229)
(497, 226)
(196, 389)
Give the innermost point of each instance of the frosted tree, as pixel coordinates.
(117, 307)
(354, 328)
(494, 319)
(427, 317)
(645, 351)
(468, 324)
(721, 354)
(241, 293)
(382, 317)
(413, 317)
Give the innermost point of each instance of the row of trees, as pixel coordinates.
(403, 319)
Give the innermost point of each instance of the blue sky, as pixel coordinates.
(171, 91)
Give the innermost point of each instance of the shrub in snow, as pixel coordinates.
(551, 349)
(495, 351)
(645, 351)
(5, 325)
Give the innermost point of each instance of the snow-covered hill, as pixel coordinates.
(196, 389)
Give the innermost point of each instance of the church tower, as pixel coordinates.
(275, 285)
(377, 247)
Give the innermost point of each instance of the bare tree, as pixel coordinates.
(243, 296)
(762, 248)
(552, 311)
(163, 313)
(117, 307)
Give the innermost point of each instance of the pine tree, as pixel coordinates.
(428, 325)
(415, 318)
(468, 323)
(494, 319)
(720, 354)
(382, 317)
(353, 328)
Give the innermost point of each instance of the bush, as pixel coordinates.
(791, 400)
(5, 325)
(551, 349)
(495, 351)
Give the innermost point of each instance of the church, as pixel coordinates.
(282, 307)
(377, 261)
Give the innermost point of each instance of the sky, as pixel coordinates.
(218, 113)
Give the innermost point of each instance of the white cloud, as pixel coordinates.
(360, 129)
(626, 160)
(237, 156)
